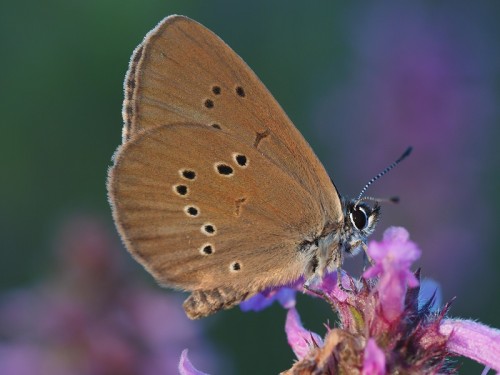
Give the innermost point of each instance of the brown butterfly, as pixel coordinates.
(214, 190)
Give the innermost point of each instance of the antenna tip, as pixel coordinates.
(407, 152)
(394, 199)
(404, 156)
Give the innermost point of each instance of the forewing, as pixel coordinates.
(182, 72)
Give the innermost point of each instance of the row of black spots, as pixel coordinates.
(182, 189)
(209, 249)
(209, 103)
(191, 210)
(189, 174)
(226, 170)
(222, 168)
(217, 90)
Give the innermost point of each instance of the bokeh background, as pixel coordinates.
(362, 81)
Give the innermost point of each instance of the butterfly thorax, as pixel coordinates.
(344, 238)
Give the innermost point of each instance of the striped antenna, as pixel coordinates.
(401, 158)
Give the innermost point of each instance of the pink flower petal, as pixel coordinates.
(300, 339)
(396, 234)
(373, 271)
(393, 257)
(377, 251)
(411, 280)
(473, 340)
(391, 296)
(374, 359)
(330, 285)
(186, 367)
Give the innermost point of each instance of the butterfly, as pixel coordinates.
(213, 189)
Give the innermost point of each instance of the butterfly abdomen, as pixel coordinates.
(202, 303)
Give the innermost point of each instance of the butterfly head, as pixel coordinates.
(360, 220)
(363, 217)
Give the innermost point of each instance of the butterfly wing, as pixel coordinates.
(182, 72)
(203, 210)
(191, 103)
(166, 187)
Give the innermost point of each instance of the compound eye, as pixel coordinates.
(359, 218)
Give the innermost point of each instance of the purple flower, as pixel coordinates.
(300, 340)
(474, 340)
(385, 325)
(393, 258)
(389, 322)
(285, 296)
(186, 367)
(424, 75)
(373, 359)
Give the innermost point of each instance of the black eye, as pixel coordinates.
(359, 218)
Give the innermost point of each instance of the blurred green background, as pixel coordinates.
(62, 70)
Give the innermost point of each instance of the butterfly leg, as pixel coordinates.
(367, 260)
(319, 292)
(339, 281)
(338, 261)
(202, 303)
(312, 282)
